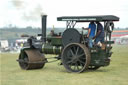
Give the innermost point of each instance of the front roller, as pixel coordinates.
(31, 59)
(75, 57)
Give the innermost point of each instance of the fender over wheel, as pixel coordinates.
(75, 57)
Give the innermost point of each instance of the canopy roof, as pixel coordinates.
(88, 18)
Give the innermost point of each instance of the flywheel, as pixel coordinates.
(70, 35)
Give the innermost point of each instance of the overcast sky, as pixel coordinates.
(24, 13)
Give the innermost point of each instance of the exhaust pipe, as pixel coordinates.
(44, 22)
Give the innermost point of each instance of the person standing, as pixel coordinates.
(99, 37)
(91, 33)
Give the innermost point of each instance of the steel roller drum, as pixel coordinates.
(70, 35)
(32, 59)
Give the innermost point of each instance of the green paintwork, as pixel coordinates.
(100, 57)
(109, 42)
(55, 40)
(50, 49)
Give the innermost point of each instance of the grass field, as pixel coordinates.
(53, 74)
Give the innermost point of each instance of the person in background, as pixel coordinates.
(52, 33)
(91, 33)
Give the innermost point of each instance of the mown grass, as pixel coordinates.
(53, 74)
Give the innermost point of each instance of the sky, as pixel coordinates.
(22, 13)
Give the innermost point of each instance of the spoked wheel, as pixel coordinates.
(76, 57)
(31, 59)
(93, 67)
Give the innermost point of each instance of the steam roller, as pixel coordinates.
(70, 46)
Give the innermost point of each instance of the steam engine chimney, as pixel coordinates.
(44, 22)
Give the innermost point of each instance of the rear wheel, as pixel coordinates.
(76, 57)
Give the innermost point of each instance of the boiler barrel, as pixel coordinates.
(48, 49)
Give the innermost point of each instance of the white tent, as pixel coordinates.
(125, 36)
